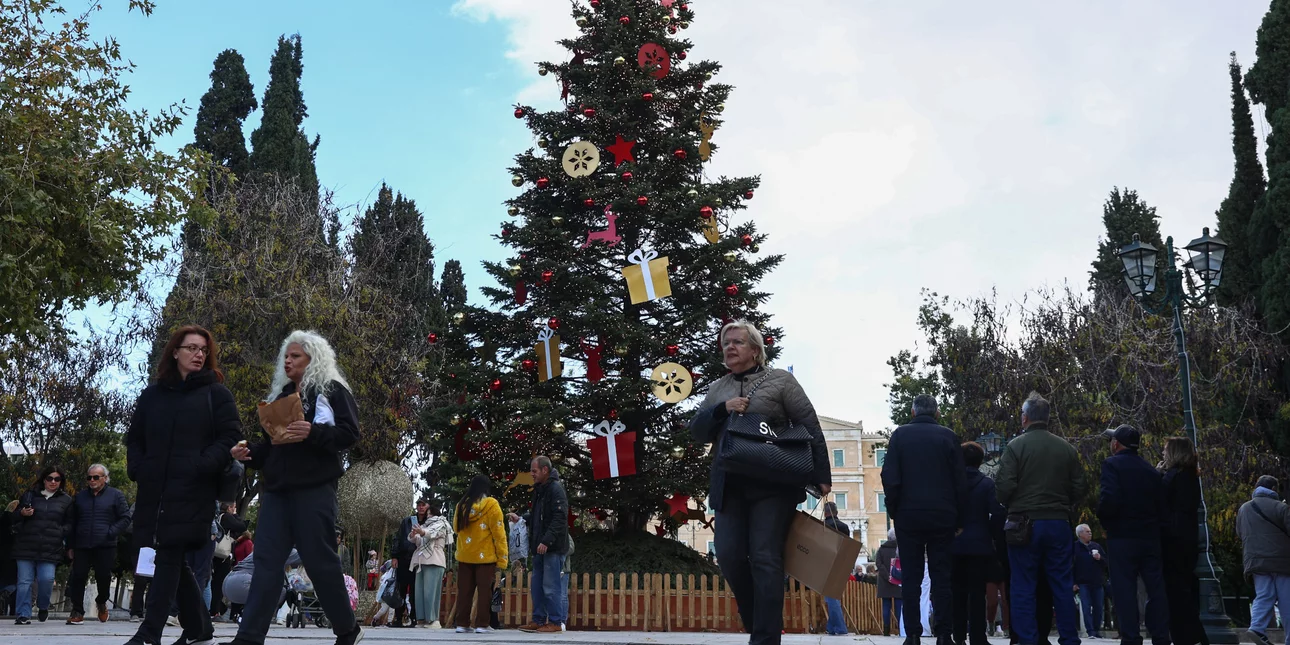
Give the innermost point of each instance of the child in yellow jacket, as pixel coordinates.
(481, 551)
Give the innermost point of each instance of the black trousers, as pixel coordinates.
(1131, 558)
(141, 584)
(932, 547)
(219, 571)
(405, 581)
(305, 519)
(101, 560)
(173, 581)
(1182, 587)
(750, 533)
(969, 576)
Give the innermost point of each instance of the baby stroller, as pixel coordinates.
(302, 602)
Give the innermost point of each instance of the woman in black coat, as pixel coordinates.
(42, 524)
(184, 425)
(1180, 541)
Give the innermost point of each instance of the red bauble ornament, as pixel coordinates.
(506, 232)
(748, 195)
(769, 340)
(647, 97)
(706, 212)
(528, 365)
(547, 276)
(624, 20)
(680, 55)
(589, 203)
(595, 4)
(519, 436)
(543, 182)
(495, 385)
(683, 7)
(627, 176)
(612, 416)
(732, 290)
(452, 376)
(671, 29)
(589, 112)
(672, 350)
(679, 153)
(746, 239)
(519, 113)
(554, 323)
(432, 338)
(695, 375)
(642, 200)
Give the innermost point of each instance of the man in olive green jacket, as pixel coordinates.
(1040, 476)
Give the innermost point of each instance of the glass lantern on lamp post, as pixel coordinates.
(1140, 274)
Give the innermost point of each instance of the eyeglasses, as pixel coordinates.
(52, 478)
(95, 478)
(196, 349)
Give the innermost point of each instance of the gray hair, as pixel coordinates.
(925, 404)
(320, 372)
(106, 474)
(542, 461)
(754, 337)
(1081, 528)
(891, 534)
(1035, 408)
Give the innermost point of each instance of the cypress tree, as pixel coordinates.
(1239, 282)
(1268, 79)
(1123, 214)
(391, 252)
(452, 286)
(223, 109)
(1268, 228)
(279, 146)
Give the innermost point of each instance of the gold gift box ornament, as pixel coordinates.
(647, 276)
(548, 352)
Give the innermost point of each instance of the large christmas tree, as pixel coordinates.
(626, 260)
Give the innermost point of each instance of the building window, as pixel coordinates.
(839, 458)
(812, 503)
(880, 456)
(841, 500)
(882, 502)
(712, 546)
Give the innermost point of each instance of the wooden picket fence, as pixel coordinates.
(659, 602)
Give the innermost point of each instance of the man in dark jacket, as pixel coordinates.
(973, 550)
(1041, 479)
(1090, 577)
(100, 514)
(1263, 524)
(925, 481)
(1131, 508)
(548, 523)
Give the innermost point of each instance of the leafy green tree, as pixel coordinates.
(84, 192)
(224, 107)
(1239, 281)
(279, 146)
(1124, 214)
(647, 126)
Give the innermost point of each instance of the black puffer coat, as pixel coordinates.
(43, 536)
(177, 447)
(99, 518)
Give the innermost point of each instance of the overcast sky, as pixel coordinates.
(953, 146)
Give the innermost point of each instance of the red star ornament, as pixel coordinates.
(678, 504)
(667, 4)
(622, 151)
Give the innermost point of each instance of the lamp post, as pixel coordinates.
(1139, 259)
(992, 444)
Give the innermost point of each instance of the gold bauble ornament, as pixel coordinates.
(556, 134)
(557, 220)
(620, 61)
(517, 181)
(717, 201)
(581, 21)
(692, 193)
(455, 420)
(515, 270)
(459, 318)
(557, 427)
(542, 143)
(685, 25)
(542, 71)
(731, 256)
(678, 452)
(721, 107)
(708, 76)
(513, 211)
(754, 248)
(667, 19)
(621, 350)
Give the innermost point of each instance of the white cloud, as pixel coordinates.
(942, 145)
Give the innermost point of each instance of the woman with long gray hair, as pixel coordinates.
(298, 504)
(754, 510)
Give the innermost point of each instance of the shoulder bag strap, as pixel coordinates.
(1255, 505)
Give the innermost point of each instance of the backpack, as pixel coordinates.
(895, 575)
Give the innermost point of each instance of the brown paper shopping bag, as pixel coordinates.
(819, 557)
(276, 416)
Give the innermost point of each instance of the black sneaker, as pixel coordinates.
(1259, 639)
(43, 615)
(136, 641)
(238, 641)
(191, 640)
(352, 637)
(22, 620)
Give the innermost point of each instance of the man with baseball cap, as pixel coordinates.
(1131, 508)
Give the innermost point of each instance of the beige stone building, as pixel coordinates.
(856, 460)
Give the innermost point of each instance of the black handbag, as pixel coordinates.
(752, 445)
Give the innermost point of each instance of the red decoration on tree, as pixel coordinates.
(658, 528)
(521, 292)
(683, 6)
(624, 20)
(528, 365)
(506, 231)
(647, 97)
(642, 200)
(496, 385)
(589, 112)
(432, 338)
(553, 323)
(519, 436)
(654, 60)
(613, 415)
(678, 504)
(543, 182)
(622, 151)
(627, 176)
(600, 515)
(679, 153)
(578, 59)
(594, 353)
(667, 4)
(746, 239)
(770, 341)
(467, 450)
(589, 202)
(706, 212)
(547, 276)
(595, 4)
(748, 195)
(680, 55)
(672, 350)
(613, 451)
(519, 113)
(732, 290)
(671, 29)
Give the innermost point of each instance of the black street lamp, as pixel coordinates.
(1206, 262)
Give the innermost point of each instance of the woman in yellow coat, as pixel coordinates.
(481, 549)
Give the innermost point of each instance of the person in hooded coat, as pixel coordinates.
(890, 592)
(177, 447)
(973, 550)
(43, 522)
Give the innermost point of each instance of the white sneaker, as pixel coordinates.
(462, 630)
(481, 630)
(435, 625)
(173, 621)
(562, 628)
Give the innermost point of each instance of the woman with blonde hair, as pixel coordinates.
(1180, 540)
(754, 504)
(299, 470)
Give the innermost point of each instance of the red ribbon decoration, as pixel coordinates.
(578, 59)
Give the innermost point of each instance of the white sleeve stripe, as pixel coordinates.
(324, 413)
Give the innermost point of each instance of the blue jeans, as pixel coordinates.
(1269, 589)
(1049, 550)
(1091, 599)
(548, 602)
(887, 605)
(837, 625)
(564, 593)
(42, 573)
